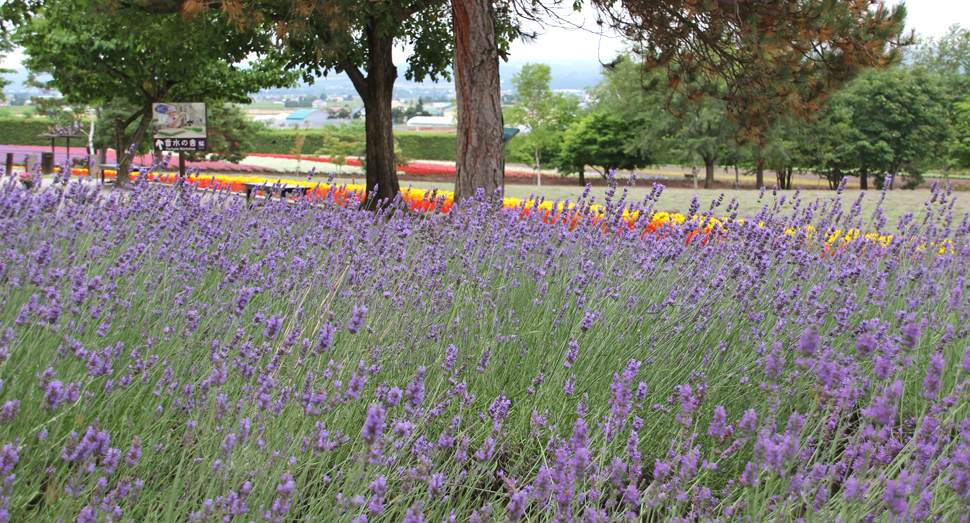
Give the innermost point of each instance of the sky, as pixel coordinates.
(927, 17)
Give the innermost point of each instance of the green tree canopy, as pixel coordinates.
(960, 148)
(667, 123)
(774, 56)
(898, 116)
(544, 114)
(97, 54)
(601, 140)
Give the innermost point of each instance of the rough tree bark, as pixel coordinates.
(376, 89)
(864, 178)
(759, 180)
(709, 171)
(481, 151)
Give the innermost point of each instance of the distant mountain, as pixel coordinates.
(18, 77)
(566, 74)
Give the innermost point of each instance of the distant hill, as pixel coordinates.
(566, 74)
(18, 77)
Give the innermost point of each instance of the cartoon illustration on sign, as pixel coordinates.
(186, 122)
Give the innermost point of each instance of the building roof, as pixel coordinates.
(431, 120)
(301, 114)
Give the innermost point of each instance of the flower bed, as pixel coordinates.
(168, 355)
(412, 168)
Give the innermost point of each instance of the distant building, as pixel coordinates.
(265, 119)
(431, 121)
(307, 119)
(437, 107)
(318, 104)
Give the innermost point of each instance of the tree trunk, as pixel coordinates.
(480, 161)
(893, 170)
(709, 171)
(538, 169)
(759, 180)
(788, 181)
(124, 159)
(582, 176)
(377, 90)
(864, 178)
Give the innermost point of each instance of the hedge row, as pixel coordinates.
(414, 145)
(24, 131)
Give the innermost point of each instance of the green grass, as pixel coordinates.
(25, 110)
(898, 202)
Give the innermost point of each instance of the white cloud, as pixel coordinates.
(13, 59)
(934, 17)
(927, 17)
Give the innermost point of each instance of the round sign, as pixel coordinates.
(161, 109)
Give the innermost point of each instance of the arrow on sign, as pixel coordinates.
(158, 144)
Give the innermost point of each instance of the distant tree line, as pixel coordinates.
(905, 119)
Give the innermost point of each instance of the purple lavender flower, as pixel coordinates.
(374, 425)
(931, 382)
(88, 515)
(808, 341)
(415, 389)
(285, 492)
(866, 345)
(413, 515)
(134, 453)
(719, 427)
(517, 504)
(571, 354)
(451, 357)
(325, 337)
(749, 422)
(9, 411)
(9, 457)
(570, 385)
(911, 333)
(775, 362)
(882, 410)
(896, 494)
(54, 395)
(273, 325)
(357, 320)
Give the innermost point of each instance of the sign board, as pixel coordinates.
(179, 127)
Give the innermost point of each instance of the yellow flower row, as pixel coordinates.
(425, 200)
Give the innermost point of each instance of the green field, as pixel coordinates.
(17, 110)
(898, 202)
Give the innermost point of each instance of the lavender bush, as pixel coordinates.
(174, 355)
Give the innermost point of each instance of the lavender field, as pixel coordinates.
(175, 355)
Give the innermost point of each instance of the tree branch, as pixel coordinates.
(134, 117)
(357, 77)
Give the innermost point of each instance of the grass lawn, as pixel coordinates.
(17, 110)
(898, 202)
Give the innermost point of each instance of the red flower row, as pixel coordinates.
(413, 169)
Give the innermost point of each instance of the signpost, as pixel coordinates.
(180, 127)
